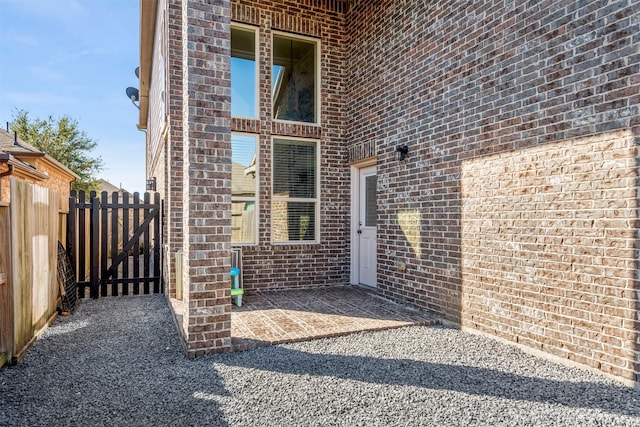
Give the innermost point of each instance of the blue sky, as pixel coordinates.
(77, 57)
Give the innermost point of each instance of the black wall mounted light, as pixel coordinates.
(401, 152)
(151, 184)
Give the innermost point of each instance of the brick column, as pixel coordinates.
(175, 171)
(206, 35)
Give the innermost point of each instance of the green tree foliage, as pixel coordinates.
(65, 142)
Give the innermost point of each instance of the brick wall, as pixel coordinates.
(550, 88)
(300, 265)
(164, 139)
(58, 180)
(174, 163)
(206, 112)
(506, 107)
(547, 248)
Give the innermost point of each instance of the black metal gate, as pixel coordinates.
(114, 245)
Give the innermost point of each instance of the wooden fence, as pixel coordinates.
(29, 291)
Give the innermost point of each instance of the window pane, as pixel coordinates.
(243, 73)
(294, 79)
(243, 168)
(243, 188)
(294, 169)
(293, 221)
(371, 214)
(242, 222)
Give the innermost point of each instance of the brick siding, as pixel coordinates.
(175, 170)
(550, 89)
(300, 265)
(515, 211)
(547, 248)
(58, 180)
(206, 112)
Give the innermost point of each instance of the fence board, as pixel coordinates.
(115, 240)
(104, 241)
(136, 247)
(33, 236)
(6, 297)
(95, 245)
(82, 243)
(125, 238)
(146, 244)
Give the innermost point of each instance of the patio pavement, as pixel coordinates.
(277, 317)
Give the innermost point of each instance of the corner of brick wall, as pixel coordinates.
(206, 176)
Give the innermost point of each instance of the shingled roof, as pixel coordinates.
(11, 144)
(17, 148)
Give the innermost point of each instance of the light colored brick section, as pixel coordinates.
(547, 249)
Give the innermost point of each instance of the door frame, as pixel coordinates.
(355, 213)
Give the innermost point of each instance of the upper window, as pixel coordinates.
(244, 188)
(243, 73)
(294, 206)
(294, 81)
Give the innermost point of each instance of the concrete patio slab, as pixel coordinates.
(276, 317)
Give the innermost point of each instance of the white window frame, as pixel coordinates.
(257, 68)
(255, 199)
(318, 90)
(316, 200)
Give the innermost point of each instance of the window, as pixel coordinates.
(243, 189)
(294, 79)
(243, 73)
(294, 204)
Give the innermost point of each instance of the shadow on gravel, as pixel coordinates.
(115, 362)
(465, 379)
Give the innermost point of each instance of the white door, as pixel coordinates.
(367, 226)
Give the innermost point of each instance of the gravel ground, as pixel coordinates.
(118, 361)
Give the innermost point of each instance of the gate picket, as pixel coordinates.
(104, 241)
(94, 260)
(82, 241)
(109, 256)
(114, 242)
(125, 236)
(136, 247)
(146, 245)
